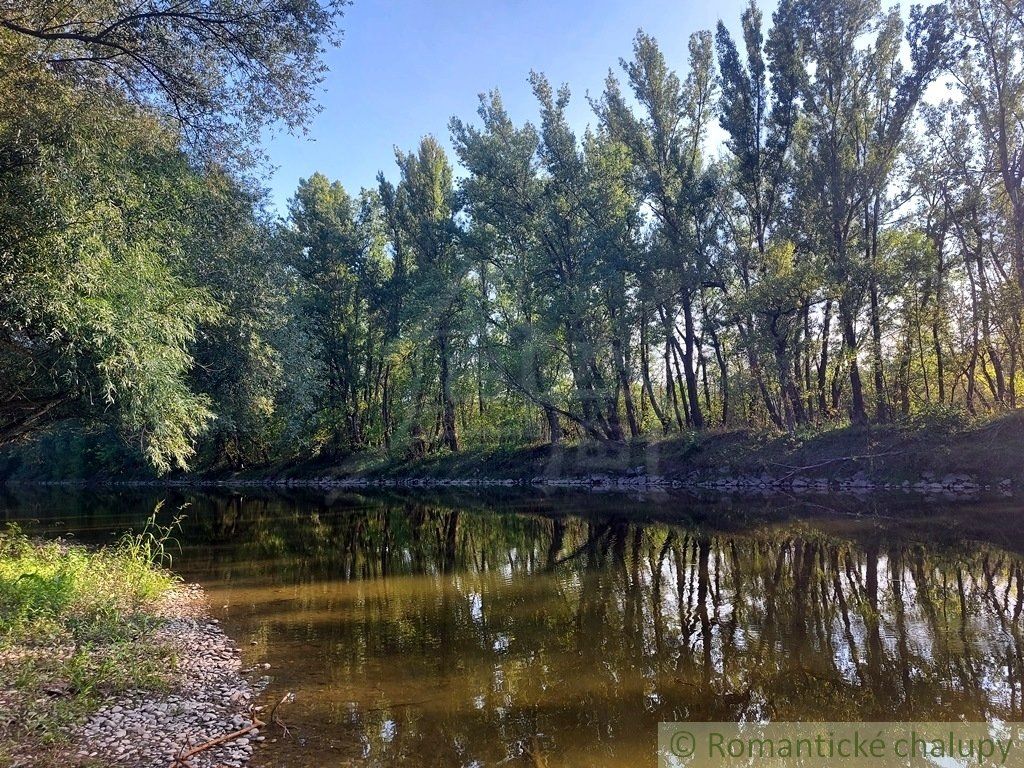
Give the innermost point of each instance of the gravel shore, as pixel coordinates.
(209, 697)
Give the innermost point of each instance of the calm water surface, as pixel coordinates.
(433, 630)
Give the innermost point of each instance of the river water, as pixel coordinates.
(429, 629)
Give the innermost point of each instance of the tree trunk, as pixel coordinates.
(881, 404)
(449, 436)
(554, 426)
(805, 319)
(550, 414)
(624, 384)
(792, 404)
(940, 365)
(723, 372)
(645, 372)
(677, 354)
(692, 391)
(826, 322)
(754, 361)
(418, 447)
(858, 414)
(670, 387)
(614, 426)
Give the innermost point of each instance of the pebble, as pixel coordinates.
(209, 697)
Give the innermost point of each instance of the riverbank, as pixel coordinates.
(930, 457)
(947, 456)
(107, 659)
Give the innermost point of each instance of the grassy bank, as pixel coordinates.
(75, 626)
(990, 452)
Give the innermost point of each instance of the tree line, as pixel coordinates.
(851, 251)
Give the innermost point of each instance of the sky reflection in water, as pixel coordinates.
(434, 630)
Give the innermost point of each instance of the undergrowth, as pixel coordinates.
(76, 626)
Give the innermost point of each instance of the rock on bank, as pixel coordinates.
(209, 697)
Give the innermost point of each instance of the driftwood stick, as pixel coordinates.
(273, 718)
(273, 710)
(179, 759)
(837, 459)
(183, 759)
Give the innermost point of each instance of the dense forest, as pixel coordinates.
(852, 250)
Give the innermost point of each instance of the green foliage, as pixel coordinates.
(59, 586)
(425, 206)
(238, 359)
(339, 307)
(941, 419)
(152, 544)
(128, 248)
(849, 255)
(94, 310)
(75, 626)
(218, 70)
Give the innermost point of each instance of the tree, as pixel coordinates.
(236, 255)
(119, 122)
(858, 103)
(851, 246)
(217, 69)
(336, 278)
(504, 199)
(991, 78)
(426, 210)
(96, 316)
(667, 146)
(762, 128)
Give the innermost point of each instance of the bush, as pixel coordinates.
(58, 586)
(75, 626)
(944, 419)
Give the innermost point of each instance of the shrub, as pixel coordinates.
(76, 625)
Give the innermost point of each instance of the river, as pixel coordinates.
(439, 629)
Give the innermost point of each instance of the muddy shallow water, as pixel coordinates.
(431, 629)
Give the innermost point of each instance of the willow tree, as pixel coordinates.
(115, 119)
(218, 70)
(96, 317)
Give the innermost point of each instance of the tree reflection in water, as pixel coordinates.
(454, 633)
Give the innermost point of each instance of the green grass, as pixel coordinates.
(75, 626)
(938, 441)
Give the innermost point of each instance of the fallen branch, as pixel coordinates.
(182, 760)
(273, 713)
(798, 470)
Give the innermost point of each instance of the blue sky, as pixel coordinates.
(406, 66)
